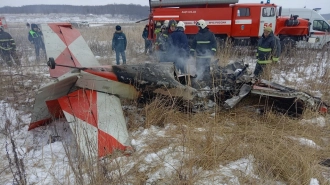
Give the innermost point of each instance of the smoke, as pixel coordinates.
(203, 66)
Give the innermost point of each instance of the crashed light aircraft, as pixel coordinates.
(88, 94)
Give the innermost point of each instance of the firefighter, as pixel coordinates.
(147, 43)
(179, 46)
(119, 43)
(268, 51)
(157, 30)
(162, 43)
(204, 46)
(35, 37)
(8, 48)
(171, 26)
(166, 23)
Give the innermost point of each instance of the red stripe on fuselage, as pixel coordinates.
(105, 74)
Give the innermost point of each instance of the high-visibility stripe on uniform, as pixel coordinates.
(275, 59)
(204, 56)
(5, 48)
(33, 34)
(6, 40)
(203, 42)
(264, 61)
(213, 49)
(265, 49)
(192, 49)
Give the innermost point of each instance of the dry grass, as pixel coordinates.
(203, 141)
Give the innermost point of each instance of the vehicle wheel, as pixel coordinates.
(51, 63)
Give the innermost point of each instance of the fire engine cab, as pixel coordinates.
(3, 22)
(228, 19)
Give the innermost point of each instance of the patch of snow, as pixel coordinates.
(314, 182)
(307, 142)
(319, 121)
(229, 173)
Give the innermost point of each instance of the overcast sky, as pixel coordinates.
(324, 4)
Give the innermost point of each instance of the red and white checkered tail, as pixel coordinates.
(66, 45)
(97, 121)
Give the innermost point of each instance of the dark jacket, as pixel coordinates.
(179, 42)
(119, 41)
(204, 43)
(145, 33)
(35, 37)
(6, 41)
(268, 48)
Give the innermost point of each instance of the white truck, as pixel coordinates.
(319, 29)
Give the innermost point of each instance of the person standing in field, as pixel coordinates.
(35, 37)
(162, 44)
(8, 48)
(180, 47)
(204, 46)
(119, 43)
(147, 43)
(268, 50)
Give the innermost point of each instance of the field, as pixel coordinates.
(237, 146)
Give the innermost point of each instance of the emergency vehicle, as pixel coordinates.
(228, 19)
(3, 22)
(319, 27)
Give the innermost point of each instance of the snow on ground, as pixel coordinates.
(47, 162)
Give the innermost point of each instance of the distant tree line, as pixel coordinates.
(131, 10)
(326, 16)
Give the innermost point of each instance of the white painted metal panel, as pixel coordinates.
(111, 117)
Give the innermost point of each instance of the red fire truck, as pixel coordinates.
(227, 19)
(3, 22)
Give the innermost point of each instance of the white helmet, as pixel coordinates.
(181, 24)
(158, 25)
(166, 23)
(201, 23)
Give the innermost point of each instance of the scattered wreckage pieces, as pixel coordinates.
(270, 89)
(232, 84)
(159, 78)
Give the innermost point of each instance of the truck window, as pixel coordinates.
(243, 12)
(320, 25)
(268, 12)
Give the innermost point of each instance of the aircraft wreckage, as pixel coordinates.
(87, 94)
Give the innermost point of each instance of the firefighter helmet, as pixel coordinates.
(158, 24)
(201, 23)
(181, 24)
(172, 23)
(166, 23)
(268, 28)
